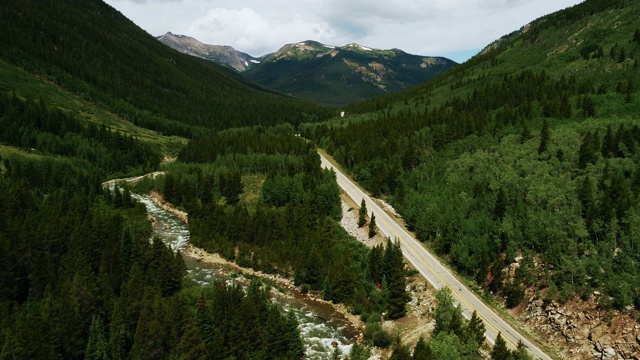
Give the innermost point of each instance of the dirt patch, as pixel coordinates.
(349, 222)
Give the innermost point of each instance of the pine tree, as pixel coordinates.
(117, 197)
(447, 315)
(500, 209)
(398, 297)
(373, 230)
(475, 329)
(362, 214)
(423, 351)
(587, 153)
(98, 345)
(170, 188)
(231, 187)
(374, 264)
(608, 143)
(587, 199)
(525, 134)
(359, 352)
(521, 352)
(393, 270)
(500, 351)
(400, 351)
(295, 347)
(191, 346)
(544, 137)
(588, 107)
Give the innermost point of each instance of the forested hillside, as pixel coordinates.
(285, 222)
(89, 49)
(79, 278)
(528, 151)
(341, 75)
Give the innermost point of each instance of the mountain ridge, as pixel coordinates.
(101, 55)
(221, 54)
(322, 73)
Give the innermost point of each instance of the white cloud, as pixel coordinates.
(426, 27)
(248, 30)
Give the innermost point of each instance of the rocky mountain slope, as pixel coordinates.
(333, 75)
(224, 55)
(340, 75)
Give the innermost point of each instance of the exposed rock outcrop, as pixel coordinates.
(585, 330)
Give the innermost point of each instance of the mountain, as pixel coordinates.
(225, 55)
(91, 50)
(322, 73)
(521, 167)
(341, 75)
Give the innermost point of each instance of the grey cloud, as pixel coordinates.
(148, 1)
(428, 27)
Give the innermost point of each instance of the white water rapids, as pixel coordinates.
(320, 325)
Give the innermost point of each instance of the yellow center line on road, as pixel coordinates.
(350, 185)
(458, 295)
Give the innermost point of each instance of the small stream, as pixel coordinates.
(320, 324)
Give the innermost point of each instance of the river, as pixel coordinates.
(320, 324)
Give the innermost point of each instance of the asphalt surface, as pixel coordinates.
(436, 273)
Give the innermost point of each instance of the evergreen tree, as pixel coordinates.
(170, 188)
(396, 281)
(362, 214)
(587, 153)
(475, 329)
(423, 351)
(98, 345)
(359, 352)
(295, 347)
(609, 145)
(340, 282)
(565, 107)
(373, 229)
(588, 106)
(400, 351)
(500, 351)
(544, 137)
(525, 134)
(521, 352)
(117, 197)
(587, 199)
(191, 346)
(375, 262)
(500, 208)
(231, 187)
(447, 315)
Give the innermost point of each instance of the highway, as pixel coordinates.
(436, 273)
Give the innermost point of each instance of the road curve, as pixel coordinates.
(437, 274)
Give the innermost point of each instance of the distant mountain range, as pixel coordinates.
(223, 55)
(322, 73)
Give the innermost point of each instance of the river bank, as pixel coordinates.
(215, 259)
(417, 323)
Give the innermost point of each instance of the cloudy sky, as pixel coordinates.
(456, 29)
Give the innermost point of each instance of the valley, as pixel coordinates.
(403, 206)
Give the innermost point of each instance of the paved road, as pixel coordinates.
(433, 270)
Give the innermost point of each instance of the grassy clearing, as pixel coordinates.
(6, 151)
(25, 85)
(252, 188)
